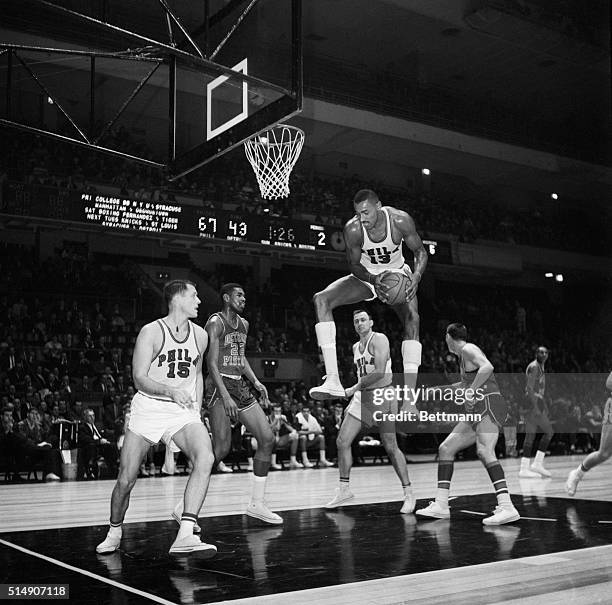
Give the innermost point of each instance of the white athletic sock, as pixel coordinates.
(326, 337)
(524, 463)
(442, 497)
(411, 356)
(503, 499)
(186, 529)
(539, 457)
(322, 455)
(305, 457)
(292, 459)
(407, 490)
(273, 459)
(115, 531)
(259, 488)
(580, 472)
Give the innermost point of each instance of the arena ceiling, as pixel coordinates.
(467, 47)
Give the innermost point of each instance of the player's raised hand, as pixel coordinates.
(231, 409)
(380, 287)
(263, 392)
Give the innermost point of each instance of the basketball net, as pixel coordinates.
(273, 154)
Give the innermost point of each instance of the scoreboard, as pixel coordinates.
(171, 218)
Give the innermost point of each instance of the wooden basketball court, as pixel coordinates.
(362, 553)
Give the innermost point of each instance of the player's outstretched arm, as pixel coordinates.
(353, 239)
(405, 224)
(148, 343)
(248, 372)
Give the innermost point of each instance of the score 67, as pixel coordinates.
(207, 224)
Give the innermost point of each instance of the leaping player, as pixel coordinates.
(373, 240)
(605, 447)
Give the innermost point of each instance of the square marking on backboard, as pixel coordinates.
(241, 66)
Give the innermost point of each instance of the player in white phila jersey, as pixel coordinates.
(605, 446)
(374, 239)
(372, 360)
(167, 370)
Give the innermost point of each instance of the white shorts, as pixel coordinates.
(156, 420)
(354, 407)
(365, 412)
(405, 269)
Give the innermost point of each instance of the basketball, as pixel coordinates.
(397, 284)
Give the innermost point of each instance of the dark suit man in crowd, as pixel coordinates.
(92, 444)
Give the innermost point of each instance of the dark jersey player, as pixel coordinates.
(374, 238)
(476, 374)
(228, 397)
(536, 418)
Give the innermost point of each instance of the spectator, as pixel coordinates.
(284, 436)
(92, 444)
(331, 428)
(310, 437)
(15, 445)
(112, 412)
(75, 414)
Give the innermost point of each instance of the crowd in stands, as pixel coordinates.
(229, 182)
(65, 356)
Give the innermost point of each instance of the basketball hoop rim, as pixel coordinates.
(254, 140)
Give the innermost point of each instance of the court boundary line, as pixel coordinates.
(153, 518)
(475, 512)
(89, 574)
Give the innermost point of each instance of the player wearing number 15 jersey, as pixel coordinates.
(167, 370)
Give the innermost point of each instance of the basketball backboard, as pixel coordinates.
(197, 79)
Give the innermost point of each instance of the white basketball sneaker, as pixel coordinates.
(190, 544)
(573, 480)
(409, 504)
(538, 467)
(330, 389)
(434, 511)
(342, 496)
(111, 542)
(260, 511)
(501, 515)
